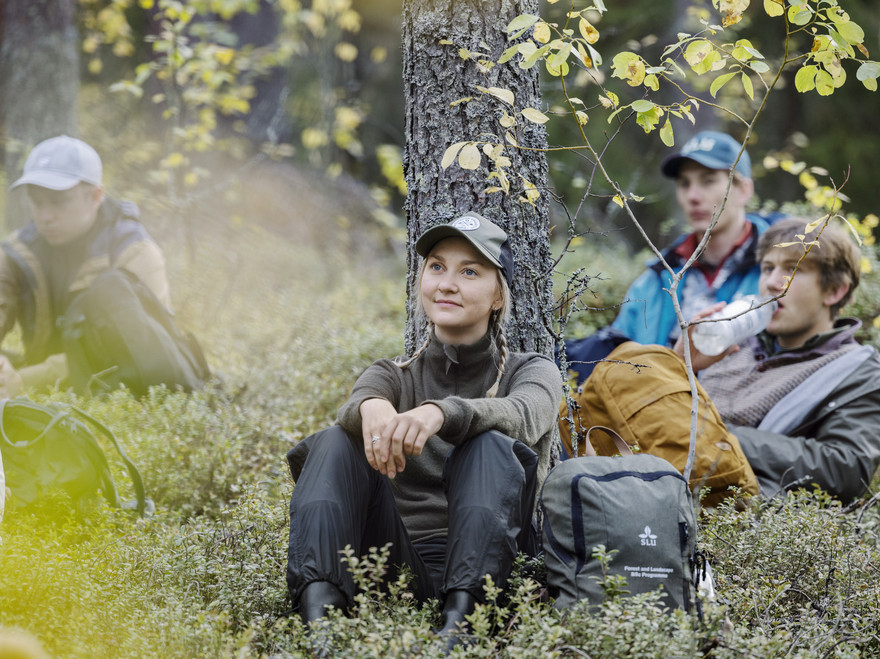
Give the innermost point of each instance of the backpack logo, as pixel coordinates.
(648, 539)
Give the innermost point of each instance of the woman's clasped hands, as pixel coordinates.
(389, 436)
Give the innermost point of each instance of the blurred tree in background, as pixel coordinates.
(39, 80)
(170, 84)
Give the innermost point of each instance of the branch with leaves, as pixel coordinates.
(709, 59)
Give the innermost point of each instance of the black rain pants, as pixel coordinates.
(340, 500)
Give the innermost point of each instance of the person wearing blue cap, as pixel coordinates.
(81, 251)
(726, 269)
(437, 456)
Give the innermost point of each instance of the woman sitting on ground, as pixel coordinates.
(439, 455)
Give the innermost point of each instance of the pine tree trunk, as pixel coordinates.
(435, 76)
(39, 81)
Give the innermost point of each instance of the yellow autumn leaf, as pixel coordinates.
(541, 32)
(469, 157)
(588, 32)
(531, 191)
(346, 52)
(535, 116)
(450, 154)
(224, 56)
(617, 199)
(774, 8)
(500, 93)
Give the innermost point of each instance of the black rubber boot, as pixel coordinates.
(317, 598)
(314, 602)
(458, 605)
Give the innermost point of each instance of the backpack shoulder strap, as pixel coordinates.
(133, 472)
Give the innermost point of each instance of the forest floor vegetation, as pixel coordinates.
(287, 329)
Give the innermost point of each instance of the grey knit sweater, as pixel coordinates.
(456, 379)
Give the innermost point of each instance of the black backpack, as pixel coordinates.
(55, 447)
(637, 506)
(117, 332)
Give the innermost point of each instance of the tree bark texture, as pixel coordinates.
(39, 80)
(435, 76)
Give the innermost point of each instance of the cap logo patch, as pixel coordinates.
(701, 144)
(466, 223)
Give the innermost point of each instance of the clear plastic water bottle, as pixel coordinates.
(714, 338)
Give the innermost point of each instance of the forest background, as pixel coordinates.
(263, 142)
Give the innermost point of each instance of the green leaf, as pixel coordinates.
(824, 83)
(868, 71)
(805, 79)
(642, 105)
(798, 16)
(759, 67)
(520, 24)
(719, 82)
(666, 134)
(744, 51)
(595, 56)
(649, 119)
(508, 54)
(701, 55)
(556, 71)
(747, 85)
(851, 32)
(558, 59)
(840, 42)
(531, 59)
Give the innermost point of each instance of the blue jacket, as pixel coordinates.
(647, 314)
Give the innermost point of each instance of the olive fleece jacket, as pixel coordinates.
(456, 378)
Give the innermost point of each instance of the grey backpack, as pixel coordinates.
(638, 506)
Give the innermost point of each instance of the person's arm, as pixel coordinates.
(527, 412)
(145, 260)
(840, 454)
(381, 380)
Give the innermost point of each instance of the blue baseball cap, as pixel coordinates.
(711, 149)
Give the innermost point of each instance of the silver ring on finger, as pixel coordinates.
(374, 438)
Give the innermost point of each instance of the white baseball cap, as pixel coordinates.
(59, 163)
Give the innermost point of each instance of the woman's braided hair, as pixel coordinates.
(496, 329)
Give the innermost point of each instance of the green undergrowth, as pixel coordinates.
(287, 329)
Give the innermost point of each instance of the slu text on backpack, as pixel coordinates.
(637, 506)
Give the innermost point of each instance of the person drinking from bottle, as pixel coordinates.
(800, 401)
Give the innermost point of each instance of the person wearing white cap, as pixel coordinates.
(77, 241)
(438, 455)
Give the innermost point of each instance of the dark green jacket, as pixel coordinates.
(456, 380)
